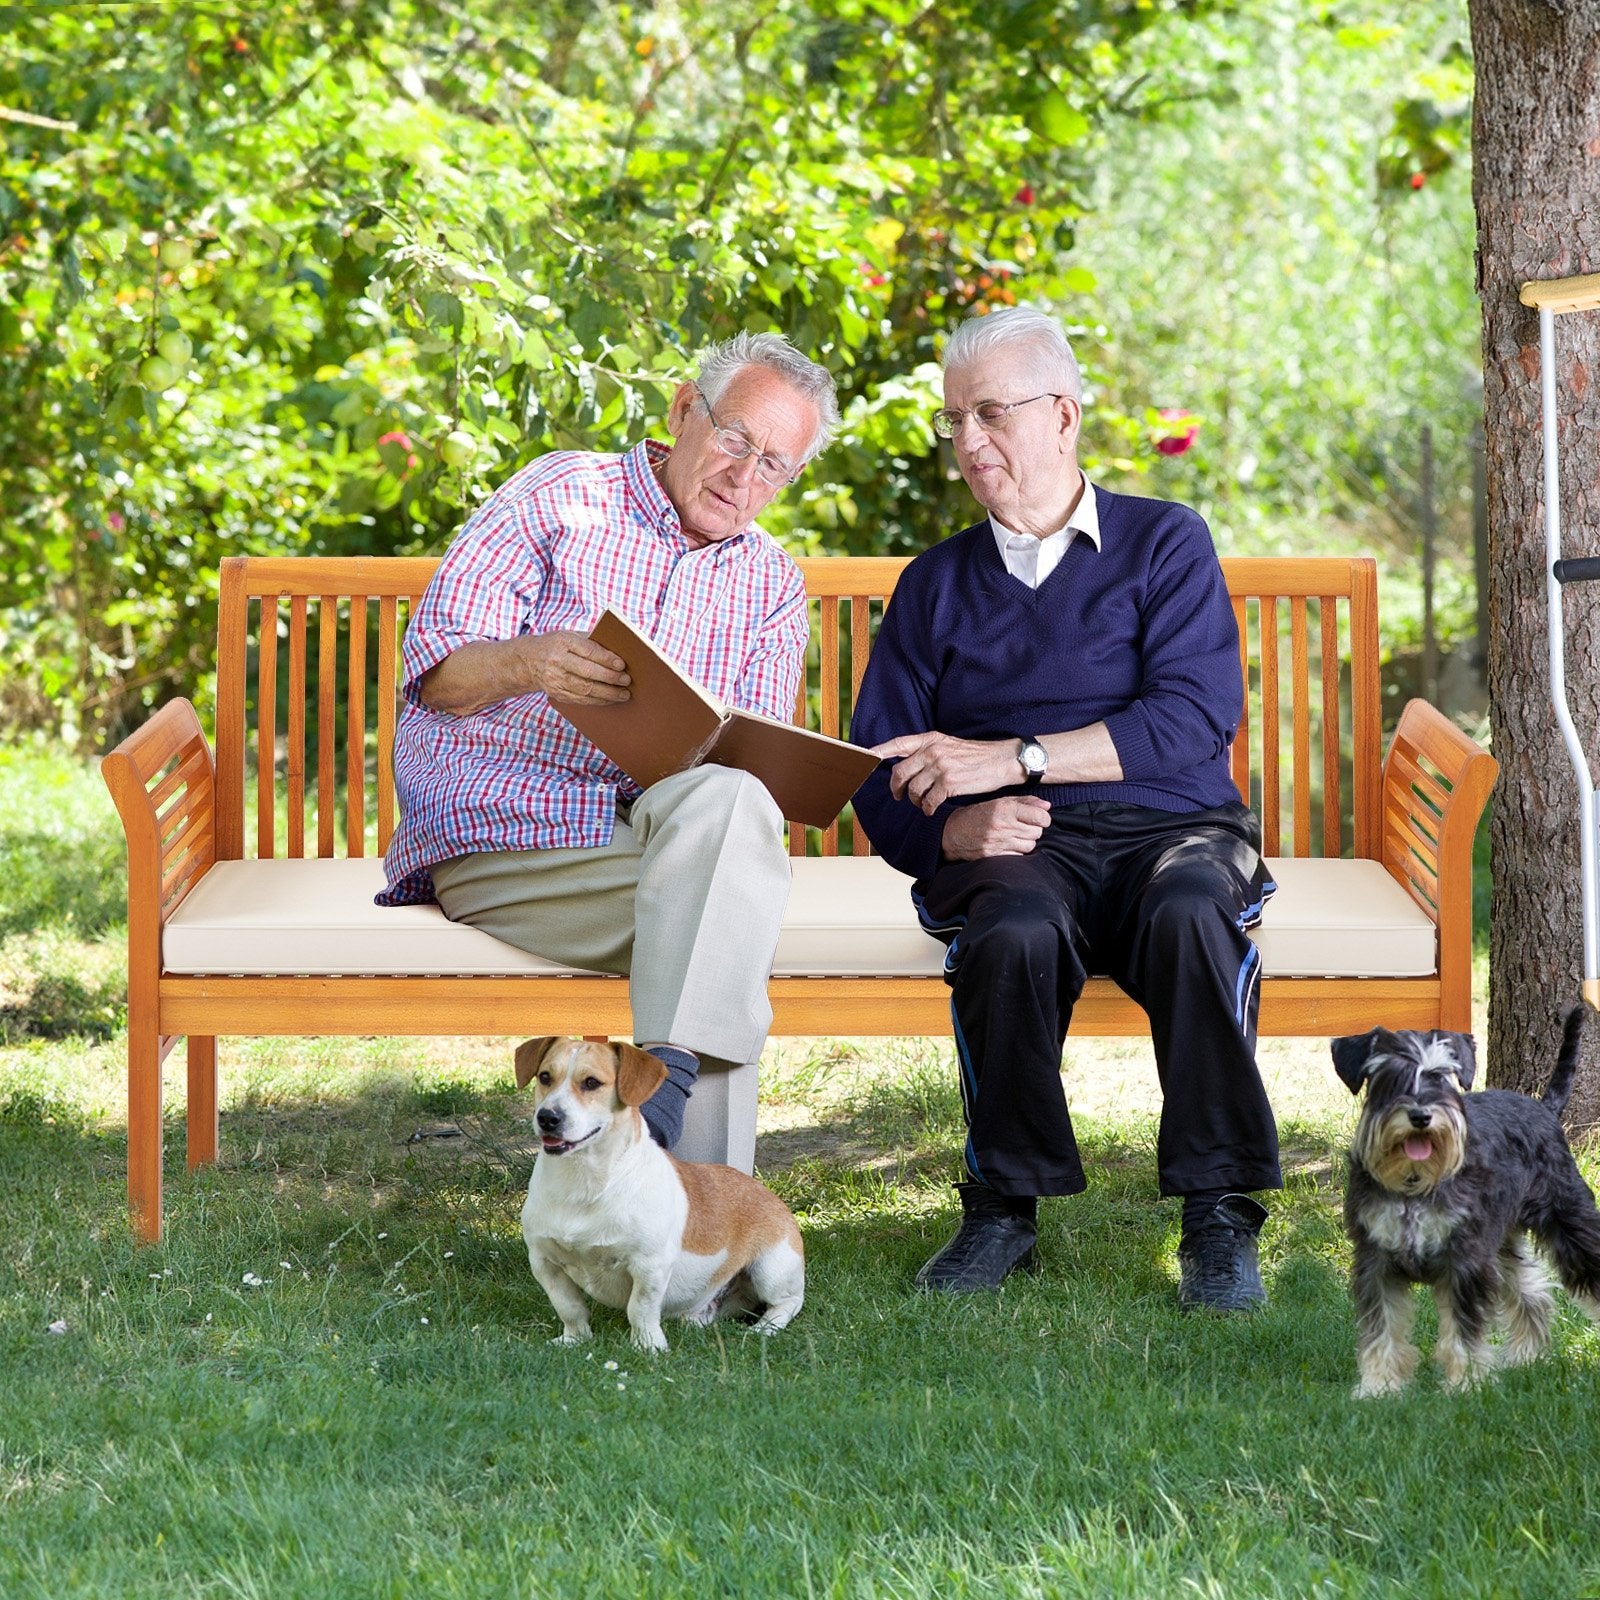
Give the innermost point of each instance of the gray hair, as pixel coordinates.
(722, 362)
(1044, 348)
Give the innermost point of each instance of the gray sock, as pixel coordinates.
(663, 1111)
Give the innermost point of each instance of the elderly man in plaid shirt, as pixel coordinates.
(516, 824)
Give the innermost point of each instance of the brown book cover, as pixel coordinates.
(670, 724)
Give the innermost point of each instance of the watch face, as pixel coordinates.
(1034, 759)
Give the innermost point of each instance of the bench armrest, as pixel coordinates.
(162, 778)
(1436, 782)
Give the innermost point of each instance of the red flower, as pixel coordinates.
(1024, 195)
(1174, 444)
(395, 448)
(1418, 179)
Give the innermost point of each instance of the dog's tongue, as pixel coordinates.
(1419, 1147)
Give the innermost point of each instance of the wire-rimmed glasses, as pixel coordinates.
(771, 470)
(991, 416)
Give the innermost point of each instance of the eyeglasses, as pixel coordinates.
(771, 470)
(991, 416)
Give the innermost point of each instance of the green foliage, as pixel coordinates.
(1301, 278)
(63, 939)
(312, 278)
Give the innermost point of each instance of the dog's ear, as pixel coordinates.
(639, 1074)
(529, 1054)
(1350, 1057)
(1465, 1050)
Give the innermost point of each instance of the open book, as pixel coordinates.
(671, 723)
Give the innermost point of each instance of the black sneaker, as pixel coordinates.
(995, 1239)
(1217, 1265)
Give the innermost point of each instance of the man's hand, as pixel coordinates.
(931, 768)
(1009, 826)
(483, 672)
(572, 667)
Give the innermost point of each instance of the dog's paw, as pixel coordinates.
(1521, 1352)
(573, 1336)
(1377, 1388)
(1459, 1379)
(777, 1317)
(652, 1340)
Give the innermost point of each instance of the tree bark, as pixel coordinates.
(1536, 185)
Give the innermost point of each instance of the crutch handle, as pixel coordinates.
(1581, 569)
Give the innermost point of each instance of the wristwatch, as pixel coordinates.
(1033, 759)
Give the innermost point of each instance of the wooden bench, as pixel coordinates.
(250, 879)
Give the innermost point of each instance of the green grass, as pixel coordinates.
(382, 1413)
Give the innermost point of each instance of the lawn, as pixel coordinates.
(335, 1378)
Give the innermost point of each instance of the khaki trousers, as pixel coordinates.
(686, 902)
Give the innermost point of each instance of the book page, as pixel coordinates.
(810, 775)
(665, 724)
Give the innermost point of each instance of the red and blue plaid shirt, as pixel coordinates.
(568, 536)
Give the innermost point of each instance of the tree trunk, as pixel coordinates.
(1536, 185)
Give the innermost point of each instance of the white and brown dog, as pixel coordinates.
(612, 1215)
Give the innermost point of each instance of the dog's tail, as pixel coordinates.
(1560, 1090)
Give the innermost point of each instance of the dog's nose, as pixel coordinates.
(549, 1120)
(1420, 1119)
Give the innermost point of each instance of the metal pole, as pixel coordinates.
(1558, 658)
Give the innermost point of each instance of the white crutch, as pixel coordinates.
(1552, 299)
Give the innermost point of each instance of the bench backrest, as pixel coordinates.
(1307, 756)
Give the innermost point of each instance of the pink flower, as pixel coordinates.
(115, 521)
(1175, 443)
(395, 448)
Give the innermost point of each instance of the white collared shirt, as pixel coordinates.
(1032, 560)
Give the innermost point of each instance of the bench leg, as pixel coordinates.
(202, 1102)
(719, 1123)
(144, 1126)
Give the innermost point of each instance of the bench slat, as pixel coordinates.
(182, 777)
(1271, 729)
(1241, 738)
(1300, 692)
(327, 701)
(355, 733)
(1366, 728)
(388, 694)
(860, 630)
(1328, 666)
(267, 728)
(297, 725)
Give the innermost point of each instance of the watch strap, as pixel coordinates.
(1029, 776)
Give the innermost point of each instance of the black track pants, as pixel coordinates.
(1158, 900)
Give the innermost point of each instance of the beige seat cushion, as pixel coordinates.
(845, 917)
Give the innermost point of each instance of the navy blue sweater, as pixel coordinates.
(1139, 635)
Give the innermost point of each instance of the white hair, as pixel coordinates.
(1029, 337)
(722, 362)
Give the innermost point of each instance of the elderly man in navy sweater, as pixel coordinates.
(1055, 690)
